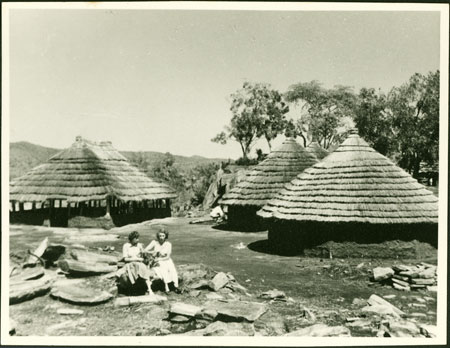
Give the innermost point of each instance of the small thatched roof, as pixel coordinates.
(354, 184)
(317, 150)
(87, 171)
(268, 177)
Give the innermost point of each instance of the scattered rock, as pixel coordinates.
(184, 309)
(381, 310)
(361, 323)
(418, 315)
(199, 284)
(12, 326)
(65, 325)
(207, 314)
(389, 297)
(377, 300)
(219, 281)
(428, 330)
(69, 311)
(238, 310)
(273, 295)
(220, 328)
(382, 273)
(423, 281)
(321, 330)
(306, 313)
(178, 318)
(359, 302)
(270, 324)
(403, 328)
(213, 296)
(131, 300)
(194, 293)
(400, 287)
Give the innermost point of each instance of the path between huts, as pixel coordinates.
(321, 296)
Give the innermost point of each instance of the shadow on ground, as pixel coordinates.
(232, 228)
(262, 246)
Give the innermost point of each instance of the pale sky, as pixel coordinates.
(160, 80)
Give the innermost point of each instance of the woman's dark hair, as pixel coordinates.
(163, 230)
(132, 235)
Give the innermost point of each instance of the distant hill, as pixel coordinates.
(24, 156)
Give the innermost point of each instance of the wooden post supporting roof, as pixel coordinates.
(108, 207)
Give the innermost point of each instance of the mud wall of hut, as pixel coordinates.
(244, 218)
(122, 213)
(291, 238)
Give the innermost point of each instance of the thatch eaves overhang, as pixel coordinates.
(87, 171)
(354, 184)
(269, 176)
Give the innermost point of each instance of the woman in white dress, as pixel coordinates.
(133, 255)
(165, 269)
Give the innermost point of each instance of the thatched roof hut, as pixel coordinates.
(317, 150)
(357, 186)
(88, 172)
(264, 181)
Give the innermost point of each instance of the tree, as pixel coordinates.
(257, 110)
(373, 120)
(414, 108)
(200, 178)
(140, 160)
(325, 109)
(165, 171)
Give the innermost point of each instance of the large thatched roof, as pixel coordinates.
(317, 150)
(87, 171)
(269, 176)
(354, 184)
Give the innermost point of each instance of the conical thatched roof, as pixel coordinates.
(354, 184)
(269, 176)
(87, 171)
(317, 150)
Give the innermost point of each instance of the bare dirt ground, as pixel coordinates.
(328, 287)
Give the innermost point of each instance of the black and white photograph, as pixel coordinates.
(224, 173)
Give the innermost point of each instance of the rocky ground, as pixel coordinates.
(229, 288)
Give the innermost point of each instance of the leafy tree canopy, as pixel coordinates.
(326, 110)
(257, 110)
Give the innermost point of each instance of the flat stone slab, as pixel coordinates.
(377, 300)
(28, 274)
(131, 300)
(69, 311)
(29, 289)
(213, 296)
(238, 310)
(184, 309)
(321, 330)
(80, 294)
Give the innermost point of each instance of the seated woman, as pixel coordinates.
(134, 270)
(164, 267)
